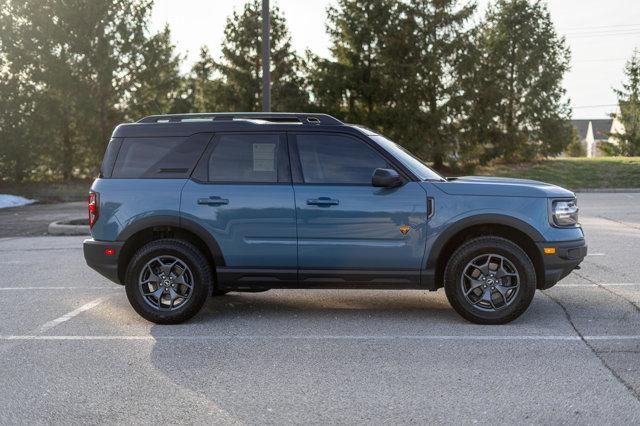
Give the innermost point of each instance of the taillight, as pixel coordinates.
(94, 211)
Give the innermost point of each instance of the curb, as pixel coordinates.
(64, 228)
(605, 190)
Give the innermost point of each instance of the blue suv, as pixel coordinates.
(190, 206)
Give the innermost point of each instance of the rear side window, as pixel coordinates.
(337, 159)
(109, 158)
(159, 157)
(246, 158)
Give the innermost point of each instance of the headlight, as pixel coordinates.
(565, 212)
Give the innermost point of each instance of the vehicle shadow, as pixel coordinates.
(287, 356)
(253, 373)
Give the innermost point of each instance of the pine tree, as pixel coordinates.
(204, 89)
(353, 83)
(628, 139)
(441, 43)
(521, 104)
(19, 140)
(395, 67)
(157, 84)
(85, 60)
(241, 64)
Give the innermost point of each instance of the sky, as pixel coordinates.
(601, 34)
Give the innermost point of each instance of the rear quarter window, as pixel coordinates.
(109, 159)
(159, 157)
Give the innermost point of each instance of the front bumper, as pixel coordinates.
(97, 259)
(567, 256)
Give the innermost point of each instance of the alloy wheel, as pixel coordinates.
(166, 283)
(490, 282)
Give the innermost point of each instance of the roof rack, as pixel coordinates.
(279, 117)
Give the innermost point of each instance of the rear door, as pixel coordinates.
(350, 232)
(241, 194)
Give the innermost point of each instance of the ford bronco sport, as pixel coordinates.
(189, 206)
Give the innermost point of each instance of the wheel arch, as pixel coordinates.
(503, 226)
(146, 230)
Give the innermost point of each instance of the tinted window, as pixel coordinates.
(409, 160)
(245, 158)
(109, 158)
(159, 157)
(337, 159)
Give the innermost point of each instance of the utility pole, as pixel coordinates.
(266, 69)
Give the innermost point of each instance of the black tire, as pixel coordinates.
(471, 250)
(199, 268)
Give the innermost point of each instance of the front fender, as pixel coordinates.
(438, 240)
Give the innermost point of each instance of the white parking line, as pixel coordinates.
(66, 317)
(562, 338)
(596, 254)
(568, 338)
(599, 285)
(56, 288)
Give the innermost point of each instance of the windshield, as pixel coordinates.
(409, 160)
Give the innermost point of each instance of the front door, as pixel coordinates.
(242, 196)
(349, 232)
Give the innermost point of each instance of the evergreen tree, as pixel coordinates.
(440, 45)
(395, 67)
(157, 84)
(204, 87)
(628, 139)
(353, 83)
(85, 61)
(520, 102)
(241, 64)
(19, 138)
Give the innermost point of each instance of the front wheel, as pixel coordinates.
(168, 281)
(490, 280)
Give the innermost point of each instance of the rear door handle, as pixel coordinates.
(322, 201)
(213, 201)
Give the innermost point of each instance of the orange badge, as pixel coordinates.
(404, 229)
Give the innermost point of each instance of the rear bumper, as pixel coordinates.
(567, 257)
(106, 265)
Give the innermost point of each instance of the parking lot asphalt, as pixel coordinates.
(73, 351)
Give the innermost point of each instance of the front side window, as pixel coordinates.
(409, 160)
(245, 158)
(337, 159)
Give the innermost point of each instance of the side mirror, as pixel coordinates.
(386, 178)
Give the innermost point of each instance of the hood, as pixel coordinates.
(501, 187)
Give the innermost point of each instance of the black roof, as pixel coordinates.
(600, 127)
(188, 124)
(581, 127)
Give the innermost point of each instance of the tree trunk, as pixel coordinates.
(18, 171)
(438, 161)
(67, 148)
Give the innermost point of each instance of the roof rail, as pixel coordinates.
(277, 117)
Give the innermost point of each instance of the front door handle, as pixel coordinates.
(322, 201)
(213, 201)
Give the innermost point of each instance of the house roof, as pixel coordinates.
(600, 128)
(581, 127)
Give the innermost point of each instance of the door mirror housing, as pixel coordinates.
(386, 178)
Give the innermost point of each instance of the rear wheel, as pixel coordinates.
(490, 280)
(168, 281)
